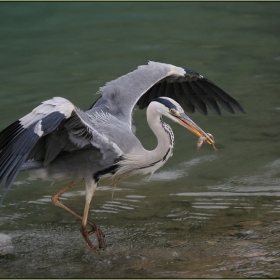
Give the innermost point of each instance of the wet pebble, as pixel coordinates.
(6, 245)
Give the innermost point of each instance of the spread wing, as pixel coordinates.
(57, 125)
(27, 138)
(190, 89)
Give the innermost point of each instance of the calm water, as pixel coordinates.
(204, 214)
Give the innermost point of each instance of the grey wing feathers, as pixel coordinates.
(190, 89)
(18, 139)
(122, 94)
(26, 138)
(82, 132)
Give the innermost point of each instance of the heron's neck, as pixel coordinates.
(149, 161)
(163, 133)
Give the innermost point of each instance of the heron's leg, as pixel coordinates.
(57, 202)
(90, 188)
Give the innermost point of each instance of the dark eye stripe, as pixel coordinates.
(166, 103)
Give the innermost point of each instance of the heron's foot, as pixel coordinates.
(102, 244)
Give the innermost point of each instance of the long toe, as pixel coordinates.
(101, 238)
(85, 235)
(102, 244)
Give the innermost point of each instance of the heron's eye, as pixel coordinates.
(172, 111)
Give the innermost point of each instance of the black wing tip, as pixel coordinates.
(219, 113)
(240, 109)
(230, 100)
(236, 106)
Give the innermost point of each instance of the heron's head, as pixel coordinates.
(171, 109)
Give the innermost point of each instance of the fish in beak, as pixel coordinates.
(185, 121)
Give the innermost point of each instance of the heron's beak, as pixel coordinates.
(185, 121)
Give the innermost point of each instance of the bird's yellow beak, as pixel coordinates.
(185, 121)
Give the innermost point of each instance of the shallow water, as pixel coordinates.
(204, 214)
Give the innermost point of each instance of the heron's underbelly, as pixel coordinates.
(131, 166)
(150, 169)
(74, 165)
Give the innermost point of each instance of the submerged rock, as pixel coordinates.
(6, 245)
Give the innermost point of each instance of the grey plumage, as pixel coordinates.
(65, 142)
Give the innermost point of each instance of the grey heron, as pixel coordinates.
(58, 140)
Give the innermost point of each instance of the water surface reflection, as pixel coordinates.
(228, 230)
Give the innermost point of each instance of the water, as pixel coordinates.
(204, 214)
